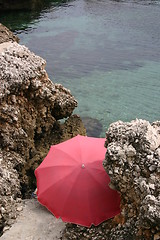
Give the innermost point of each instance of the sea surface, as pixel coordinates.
(106, 52)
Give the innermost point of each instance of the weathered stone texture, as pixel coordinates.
(30, 102)
(133, 164)
(31, 106)
(6, 35)
(9, 186)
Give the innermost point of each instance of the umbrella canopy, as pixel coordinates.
(73, 185)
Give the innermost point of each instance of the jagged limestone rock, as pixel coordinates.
(9, 186)
(31, 107)
(30, 102)
(133, 164)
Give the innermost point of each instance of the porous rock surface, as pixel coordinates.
(133, 163)
(31, 107)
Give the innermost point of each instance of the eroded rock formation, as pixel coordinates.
(31, 107)
(133, 164)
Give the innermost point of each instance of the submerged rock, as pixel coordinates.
(93, 126)
(31, 106)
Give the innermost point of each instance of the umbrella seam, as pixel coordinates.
(55, 183)
(61, 150)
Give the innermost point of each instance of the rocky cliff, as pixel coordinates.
(31, 107)
(133, 164)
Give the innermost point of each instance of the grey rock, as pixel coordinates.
(137, 161)
(31, 107)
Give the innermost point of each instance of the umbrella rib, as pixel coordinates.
(55, 166)
(91, 211)
(94, 164)
(70, 156)
(80, 149)
(69, 193)
(90, 173)
(62, 179)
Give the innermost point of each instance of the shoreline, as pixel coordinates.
(31, 110)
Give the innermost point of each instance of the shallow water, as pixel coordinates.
(106, 52)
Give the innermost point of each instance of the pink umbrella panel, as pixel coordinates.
(73, 185)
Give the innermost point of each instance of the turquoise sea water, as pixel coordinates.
(106, 52)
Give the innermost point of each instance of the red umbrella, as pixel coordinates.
(73, 185)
